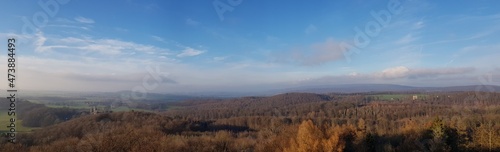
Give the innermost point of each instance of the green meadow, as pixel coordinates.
(5, 121)
(397, 96)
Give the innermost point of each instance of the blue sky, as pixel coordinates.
(218, 45)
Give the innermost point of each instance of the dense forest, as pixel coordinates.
(302, 122)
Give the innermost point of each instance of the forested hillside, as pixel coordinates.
(457, 121)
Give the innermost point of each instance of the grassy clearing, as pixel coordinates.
(68, 106)
(5, 121)
(124, 108)
(174, 108)
(397, 96)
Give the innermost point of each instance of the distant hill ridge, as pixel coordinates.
(358, 88)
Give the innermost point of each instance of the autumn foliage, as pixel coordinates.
(294, 122)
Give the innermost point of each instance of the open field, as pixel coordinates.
(125, 108)
(4, 122)
(397, 96)
(82, 106)
(174, 108)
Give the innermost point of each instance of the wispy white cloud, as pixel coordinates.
(113, 77)
(480, 48)
(220, 58)
(416, 73)
(480, 35)
(114, 47)
(426, 72)
(39, 42)
(475, 18)
(157, 38)
(192, 22)
(317, 54)
(97, 74)
(73, 25)
(70, 26)
(102, 46)
(420, 24)
(119, 29)
(399, 75)
(187, 52)
(84, 20)
(271, 39)
(395, 72)
(407, 39)
(311, 29)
